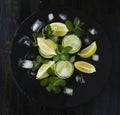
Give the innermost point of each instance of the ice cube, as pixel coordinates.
(68, 91)
(93, 31)
(50, 16)
(31, 74)
(27, 64)
(87, 40)
(30, 55)
(63, 16)
(72, 59)
(37, 25)
(80, 79)
(95, 57)
(25, 40)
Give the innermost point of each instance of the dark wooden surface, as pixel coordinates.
(13, 12)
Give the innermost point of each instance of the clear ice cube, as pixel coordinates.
(80, 79)
(50, 16)
(23, 63)
(95, 57)
(37, 25)
(68, 91)
(63, 16)
(25, 40)
(93, 31)
(30, 55)
(31, 74)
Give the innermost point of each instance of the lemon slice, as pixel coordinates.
(64, 69)
(59, 29)
(84, 67)
(73, 41)
(42, 72)
(88, 51)
(46, 47)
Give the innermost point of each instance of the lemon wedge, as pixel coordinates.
(46, 47)
(88, 51)
(64, 69)
(84, 67)
(42, 72)
(72, 41)
(59, 29)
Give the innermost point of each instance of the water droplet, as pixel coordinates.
(30, 55)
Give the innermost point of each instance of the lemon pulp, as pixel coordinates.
(84, 67)
(88, 51)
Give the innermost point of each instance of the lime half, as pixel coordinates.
(64, 69)
(72, 41)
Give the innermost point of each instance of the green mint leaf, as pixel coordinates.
(76, 21)
(79, 32)
(69, 25)
(59, 82)
(56, 57)
(63, 57)
(36, 65)
(49, 88)
(81, 24)
(50, 71)
(56, 90)
(67, 49)
(44, 82)
(39, 59)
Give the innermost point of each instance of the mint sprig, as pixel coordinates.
(53, 84)
(62, 53)
(75, 27)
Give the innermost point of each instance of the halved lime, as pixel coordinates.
(42, 72)
(88, 51)
(84, 67)
(46, 47)
(72, 41)
(64, 69)
(59, 29)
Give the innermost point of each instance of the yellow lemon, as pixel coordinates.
(42, 72)
(84, 67)
(59, 29)
(46, 47)
(88, 51)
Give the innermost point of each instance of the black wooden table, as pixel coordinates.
(13, 12)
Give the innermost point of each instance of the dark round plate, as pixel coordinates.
(89, 86)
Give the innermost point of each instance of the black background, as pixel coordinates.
(13, 12)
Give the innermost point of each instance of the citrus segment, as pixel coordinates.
(84, 67)
(46, 47)
(59, 29)
(42, 72)
(88, 51)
